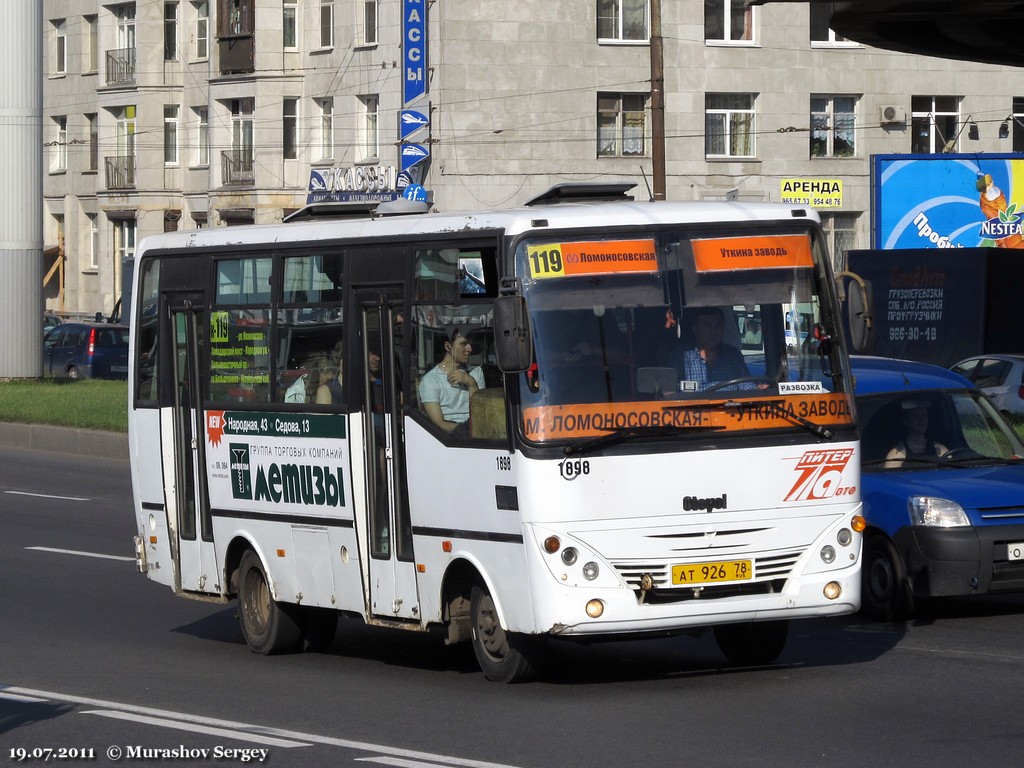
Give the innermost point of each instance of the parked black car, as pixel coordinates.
(86, 351)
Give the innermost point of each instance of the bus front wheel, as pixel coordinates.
(266, 626)
(753, 643)
(504, 657)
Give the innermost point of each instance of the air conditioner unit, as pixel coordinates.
(892, 114)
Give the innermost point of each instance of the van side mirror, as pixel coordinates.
(512, 338)
(859, 314)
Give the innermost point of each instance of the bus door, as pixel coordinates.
(196, 561)
(391, 564)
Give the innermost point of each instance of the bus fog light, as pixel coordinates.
(591, 571)
(832, 590)
(569, 555)
(844, 536)
(595, 608)
(828, 553)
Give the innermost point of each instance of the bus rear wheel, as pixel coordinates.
(753, 643)
(504, 657)
(266, 626)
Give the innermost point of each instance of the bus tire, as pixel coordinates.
(885, 593)
(504, 657)
(752, 643)
(266, 625)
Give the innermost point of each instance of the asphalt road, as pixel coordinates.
(94, 657)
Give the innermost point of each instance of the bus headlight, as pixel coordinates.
(828, 553)
(844, 537)
(591, 571)
(570, 555)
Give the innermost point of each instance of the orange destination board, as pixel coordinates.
(763, 252)
(574, 259)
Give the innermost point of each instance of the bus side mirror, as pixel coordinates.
(858, 312)
(512, 339)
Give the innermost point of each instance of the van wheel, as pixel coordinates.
(266, 626)
(753, 643)
(885, 589)
(504, 657)
(72, 372)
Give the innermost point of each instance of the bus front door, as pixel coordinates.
(190, 513)
(391, 564)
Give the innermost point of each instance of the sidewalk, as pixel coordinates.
(84, 442)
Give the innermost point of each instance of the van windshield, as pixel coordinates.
(664, 330)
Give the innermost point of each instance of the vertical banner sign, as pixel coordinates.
(414, 33)
(414, 158)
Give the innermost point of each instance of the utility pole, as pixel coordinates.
(657, 102)
(21, 189)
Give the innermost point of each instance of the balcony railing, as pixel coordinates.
(120, 172)
(236, 166)
(121, 66)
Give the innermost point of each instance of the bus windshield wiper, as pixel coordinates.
(776, 407)
(621, 435)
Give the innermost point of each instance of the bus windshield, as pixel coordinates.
(680, 330)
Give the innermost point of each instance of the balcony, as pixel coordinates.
(121, 66)
(236, 167)
(120, 172)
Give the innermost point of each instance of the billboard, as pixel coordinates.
(948, 201)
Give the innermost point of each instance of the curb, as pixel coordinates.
(84, 442)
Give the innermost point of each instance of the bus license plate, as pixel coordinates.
(688, 574)
(1015, 551)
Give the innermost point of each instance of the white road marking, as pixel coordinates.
(82, 554)
(229, 733)
(22, 699)
(396, 762)
(254, 729)
(47, 496)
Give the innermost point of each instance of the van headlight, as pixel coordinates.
(936, 513)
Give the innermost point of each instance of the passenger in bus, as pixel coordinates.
(329, 391)
(708, 360)
(446, 388)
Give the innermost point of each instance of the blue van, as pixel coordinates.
(942, 484)
(86, 351)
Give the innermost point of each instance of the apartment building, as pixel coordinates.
(182, 114)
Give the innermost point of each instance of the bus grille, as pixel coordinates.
(770, 574)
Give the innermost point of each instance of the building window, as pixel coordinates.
(202, 30)
(623, 20)
(235, 18)
(170, 31)
(729, 125)
(326, 23)
(170, 134)
(126, 26)
(94, 142)
(621, 124)
(289, 25)
(1015, 125)
(60, 48)
(367, 23)
(833, 126)
(124, 239)
(60, 144)
(369, 136)
(728, 21)
(202, 136)
(94, 241)
(290, 129)
(326, 128)
(92, 35)
(935, 123)
(821, 33)
(841, 231)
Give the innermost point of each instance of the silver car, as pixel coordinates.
(1000, 377)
